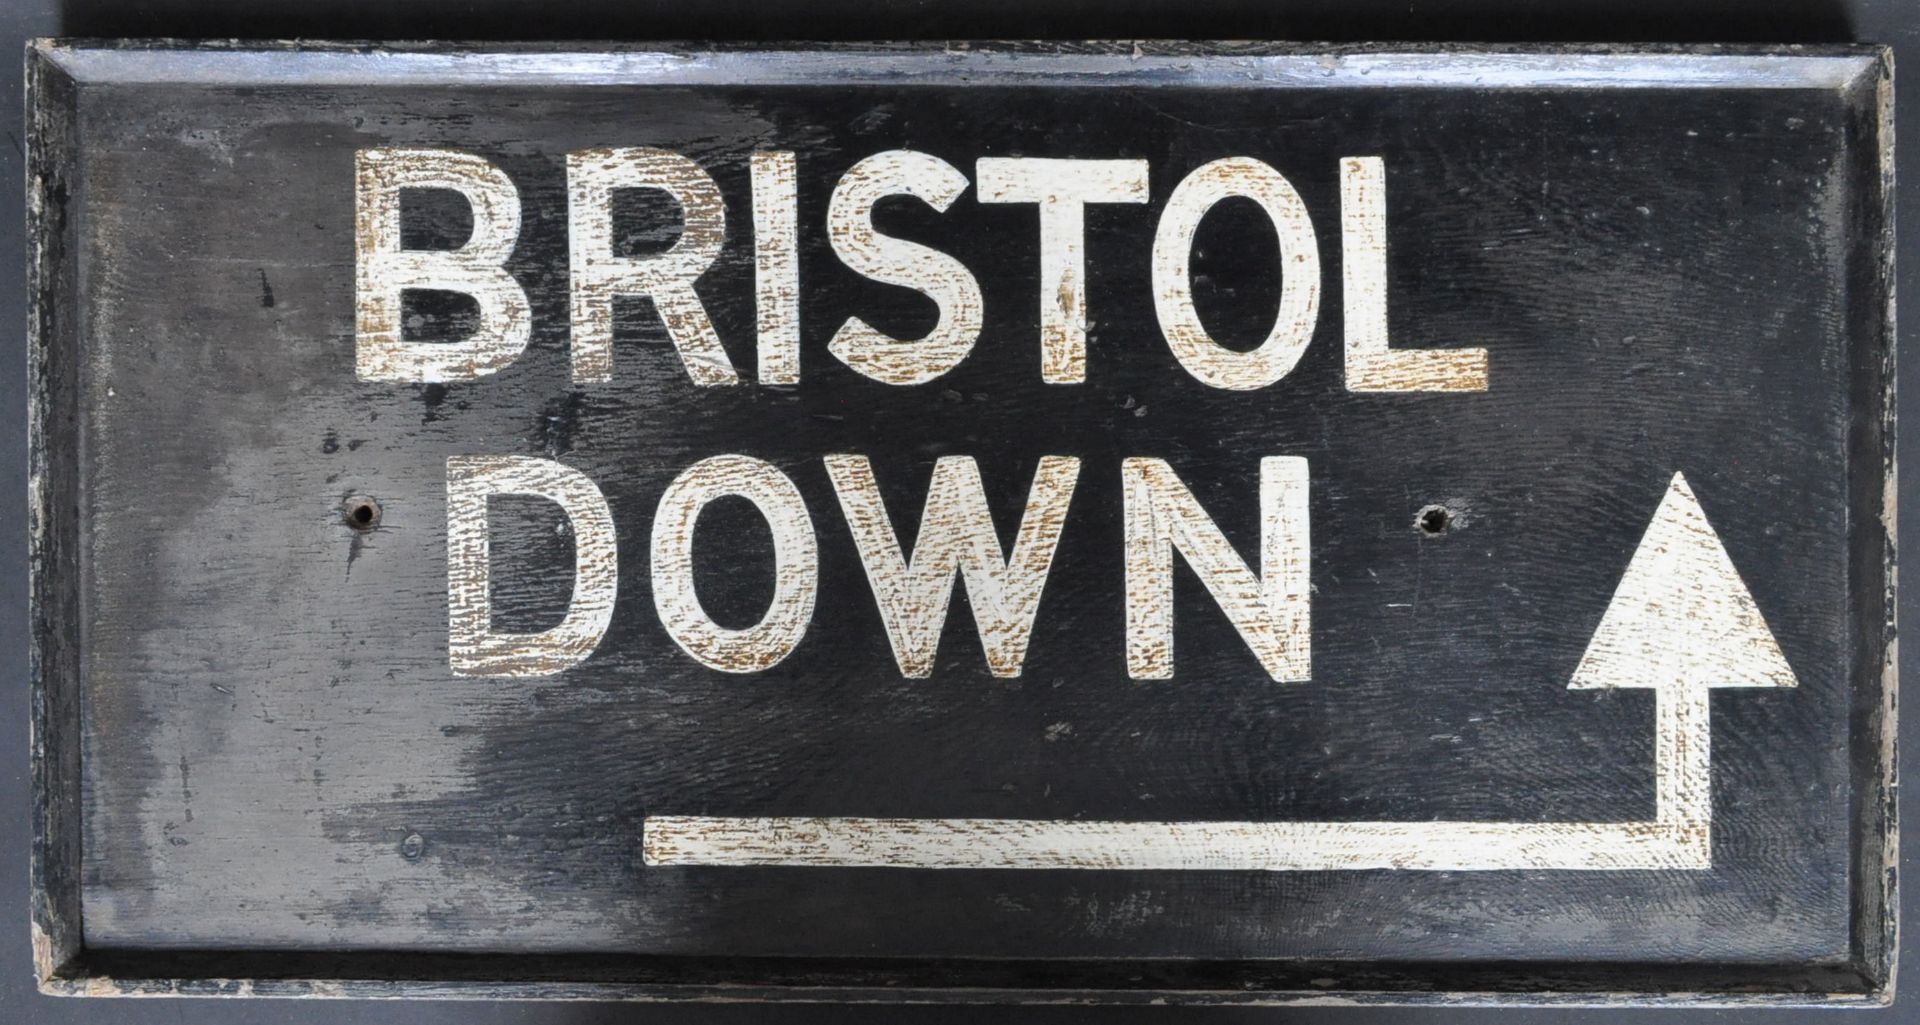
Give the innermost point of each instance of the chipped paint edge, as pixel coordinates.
(1886, 970)
(854, 993)
(1240, 64)
(51, 97)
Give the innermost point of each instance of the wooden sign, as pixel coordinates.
(1116, 522)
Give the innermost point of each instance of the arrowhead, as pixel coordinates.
(1681, 616)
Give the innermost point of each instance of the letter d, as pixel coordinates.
(474, 648)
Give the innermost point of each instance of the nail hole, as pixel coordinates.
(361, 512)
(1433, 520)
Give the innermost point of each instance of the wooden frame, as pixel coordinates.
(66, 964)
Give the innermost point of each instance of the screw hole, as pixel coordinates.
(361, 513)
(1433, 520)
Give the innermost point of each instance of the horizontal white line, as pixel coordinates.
(1260, 846)
(982, 67)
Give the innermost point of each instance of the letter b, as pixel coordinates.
(383, 271)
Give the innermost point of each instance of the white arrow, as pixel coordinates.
(1681, 622)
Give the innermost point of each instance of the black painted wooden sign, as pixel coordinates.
(1018, 522)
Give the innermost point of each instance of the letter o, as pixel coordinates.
(796, 564)
(1202, 357)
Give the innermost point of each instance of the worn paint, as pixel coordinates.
(384, 270)
(895, 261)
(1062, 189)
(776, 265)
(796, 558)
(474, 647)
(956, 538)
(1371, 366)
(666, 277)
(1272, 610)
(1299, 304)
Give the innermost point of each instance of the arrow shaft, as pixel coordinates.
(1259, 846)
(1677, 838)
(1683, 763)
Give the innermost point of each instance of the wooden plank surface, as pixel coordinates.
(1672, 262)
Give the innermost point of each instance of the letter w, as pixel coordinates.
(956, 535)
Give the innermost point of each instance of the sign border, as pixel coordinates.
(64, 965)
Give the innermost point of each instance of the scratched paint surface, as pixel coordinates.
(278, 755)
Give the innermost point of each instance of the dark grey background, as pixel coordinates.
(1669, 21)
